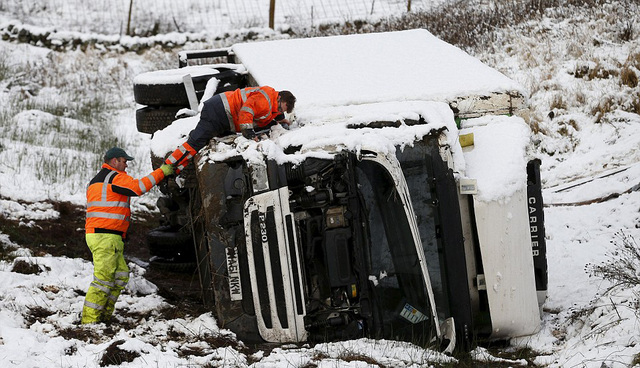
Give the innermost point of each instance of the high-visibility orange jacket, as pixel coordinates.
(248, 106)
(108, 199)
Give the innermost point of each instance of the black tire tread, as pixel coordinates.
(174, 94)
(168, 265)
(150, 119)
(163, 242)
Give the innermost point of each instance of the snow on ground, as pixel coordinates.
(591, 172)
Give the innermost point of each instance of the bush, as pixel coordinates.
(628, 77)
(623, 267)
(5, 70)
(472, 25)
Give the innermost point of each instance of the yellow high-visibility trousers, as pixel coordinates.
(110, 276)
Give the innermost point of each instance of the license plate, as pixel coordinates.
(233, 270)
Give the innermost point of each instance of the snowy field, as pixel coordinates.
(585, 128)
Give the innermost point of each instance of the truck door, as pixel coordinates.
(435, 200)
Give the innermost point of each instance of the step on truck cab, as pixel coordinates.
(401, 203)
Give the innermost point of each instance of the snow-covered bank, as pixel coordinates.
(585, 128)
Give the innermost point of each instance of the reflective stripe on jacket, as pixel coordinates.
(108, 198)
(248, 106)
(181, 157)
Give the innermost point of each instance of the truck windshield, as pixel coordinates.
(399, 288)
(414, 167)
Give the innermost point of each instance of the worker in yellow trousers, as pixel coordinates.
(108, 256)
(108, 212)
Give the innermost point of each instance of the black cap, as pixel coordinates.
(116, 152)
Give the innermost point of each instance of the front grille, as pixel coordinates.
(274, 267)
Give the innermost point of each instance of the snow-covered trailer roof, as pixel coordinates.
(359, 69)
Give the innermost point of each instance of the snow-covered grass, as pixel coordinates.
(580, 63)
(60, 112)
(165, 16)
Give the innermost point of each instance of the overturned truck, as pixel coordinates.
(402, 202)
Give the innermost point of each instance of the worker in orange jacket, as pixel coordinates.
(108, 213)
(241, 110)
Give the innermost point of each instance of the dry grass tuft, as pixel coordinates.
(28, 268)
(37, 314)
(604, 106)
(79, 333)
(628, 77)
(113, 355)
(635, 104)
(594, 71)
(357, 357)
(621, 269)
(558, 102)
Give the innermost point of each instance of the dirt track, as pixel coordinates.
(65, 237)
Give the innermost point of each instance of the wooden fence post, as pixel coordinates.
(129, 20)
(409, 6)
(272, 12)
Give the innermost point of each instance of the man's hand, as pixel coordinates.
(249, 133)
(167, 169)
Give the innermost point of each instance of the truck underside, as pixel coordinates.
(323, 250)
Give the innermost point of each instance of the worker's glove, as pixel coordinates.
(249, 133)
(285, 123)
(167, 169)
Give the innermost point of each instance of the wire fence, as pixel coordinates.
(213, 16)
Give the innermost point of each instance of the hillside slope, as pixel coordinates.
(59, 111)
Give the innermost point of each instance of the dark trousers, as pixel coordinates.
(213, 123)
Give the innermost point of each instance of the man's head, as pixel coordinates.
(286, 101)
(117, 158)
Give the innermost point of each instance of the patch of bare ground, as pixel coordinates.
(64, 236)
(114, 355)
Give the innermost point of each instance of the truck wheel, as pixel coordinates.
(165, 87)
(150, 119)
(163, 264)
(163, 242)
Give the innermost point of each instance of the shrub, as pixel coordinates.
(558, 102)
(605, 106)
(114, 355)
(622, 268)
(470, 25)
(628, 77)
(5, 69)
(635, 104)
(26, 268)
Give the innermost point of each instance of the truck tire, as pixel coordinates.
(172, 91)
(163, 264)
(150, 119)
(174, 245)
